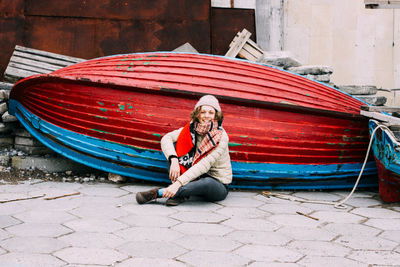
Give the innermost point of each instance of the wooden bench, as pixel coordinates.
(25, 62)
(243, 46)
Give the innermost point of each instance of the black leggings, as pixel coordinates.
(207, 187)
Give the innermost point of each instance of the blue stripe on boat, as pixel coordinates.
(151, 165)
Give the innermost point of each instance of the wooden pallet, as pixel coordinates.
(380, 114)
(26, 62)
(243, 46)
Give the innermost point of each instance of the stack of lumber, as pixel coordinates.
(26, 62)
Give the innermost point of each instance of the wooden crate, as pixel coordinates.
(244, 47)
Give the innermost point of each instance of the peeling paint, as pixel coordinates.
(101, 117)
(155, 134)
(100, 131)
(100, 103)
(103, 109)
(234, 144)
(121, 106)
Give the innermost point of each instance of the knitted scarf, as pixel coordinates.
(186, 150)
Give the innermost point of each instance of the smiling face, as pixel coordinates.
(207, 114)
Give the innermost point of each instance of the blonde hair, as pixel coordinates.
(194, 116)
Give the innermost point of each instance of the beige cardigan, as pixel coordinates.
(217, 163)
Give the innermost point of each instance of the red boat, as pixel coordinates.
(286, 131)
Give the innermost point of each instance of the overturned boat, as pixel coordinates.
(286, 131)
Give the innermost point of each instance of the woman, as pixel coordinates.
(199, 158)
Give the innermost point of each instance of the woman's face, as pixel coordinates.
(207, 114)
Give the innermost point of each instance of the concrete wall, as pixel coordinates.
(361, 45)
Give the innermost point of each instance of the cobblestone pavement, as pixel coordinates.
(103, 226)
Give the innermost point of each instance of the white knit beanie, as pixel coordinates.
(208, 100)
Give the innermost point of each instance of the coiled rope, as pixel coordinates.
(337, 205)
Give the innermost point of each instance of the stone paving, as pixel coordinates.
(103, 226)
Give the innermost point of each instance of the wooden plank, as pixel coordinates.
(256, 46)
(252, 50)
(48, 54)
(38, 65)
(382, 109)
(31, 68)
(381, 117)
(378, 4)
(245, 54)
(234, 40)
(25, 62)
(39, 58)
(12, 75)
(242, 39)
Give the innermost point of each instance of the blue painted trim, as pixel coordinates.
(150, 165)
(385, 149)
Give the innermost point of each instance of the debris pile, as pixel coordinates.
(7, 122)
(315, 72)
(366, 93)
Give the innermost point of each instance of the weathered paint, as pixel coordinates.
(251, 96)
(150, 165)
(386, 150)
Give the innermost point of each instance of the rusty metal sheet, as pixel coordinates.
(225, 23)
(170, 10)
(11, 29)
(90, 38)
(11, 8)
(94, 28)
(10, 35)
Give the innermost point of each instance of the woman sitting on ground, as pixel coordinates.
(199, 161)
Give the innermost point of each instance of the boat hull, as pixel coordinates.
(113, 119)
(387, 155)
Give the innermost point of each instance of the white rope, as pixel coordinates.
(340, 204)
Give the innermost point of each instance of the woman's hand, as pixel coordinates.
(171, 190)
(174, 170)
